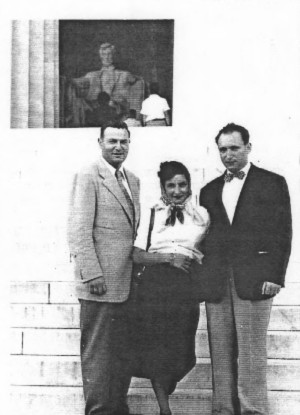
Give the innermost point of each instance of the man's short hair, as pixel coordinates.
(114, 124)
(230, 128)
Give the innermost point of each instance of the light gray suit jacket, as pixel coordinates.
(101, 231)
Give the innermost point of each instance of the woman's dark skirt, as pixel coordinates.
(165, 320)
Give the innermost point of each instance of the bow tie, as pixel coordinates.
(229, 176)
(176, 212)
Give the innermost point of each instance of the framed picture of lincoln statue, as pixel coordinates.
(115, 69)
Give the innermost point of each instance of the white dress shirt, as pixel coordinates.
(231, 193)
(113, 172)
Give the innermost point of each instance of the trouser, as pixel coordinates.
(237, 331)
(104, 357)
(156, 123)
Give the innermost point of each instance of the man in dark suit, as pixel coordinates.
(246, 255)
(104, 213)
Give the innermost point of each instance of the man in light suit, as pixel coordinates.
(104, 213)
(247, 252)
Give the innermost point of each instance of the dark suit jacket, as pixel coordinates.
(101, 231)
(256, 246)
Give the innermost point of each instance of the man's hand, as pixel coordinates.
(181, 261)
(97, 286)
(269, 288)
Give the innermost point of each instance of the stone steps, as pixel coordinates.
(45, 362)
(66, 371)
(39, 341)
(67, 316)
(69, 400)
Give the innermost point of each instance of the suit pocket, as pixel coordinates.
(261, 264)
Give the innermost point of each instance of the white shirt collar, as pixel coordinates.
(190, 208)
(160, 205)
(112, 169)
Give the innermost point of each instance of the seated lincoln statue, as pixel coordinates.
(121, 86)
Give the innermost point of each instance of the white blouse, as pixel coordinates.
(182, 238)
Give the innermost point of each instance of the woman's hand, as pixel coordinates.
(181, 261)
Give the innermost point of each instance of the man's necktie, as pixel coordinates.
(229, 176)
(119, 177)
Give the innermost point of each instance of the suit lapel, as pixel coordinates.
(110, 182)
(247, 192)
(222, 209)
(133, 185)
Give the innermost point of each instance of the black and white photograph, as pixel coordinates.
(109, 68)
(83, 73)
(151, 270)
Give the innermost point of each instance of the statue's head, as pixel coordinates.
(106, 52)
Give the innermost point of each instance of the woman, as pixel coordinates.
(167, 305)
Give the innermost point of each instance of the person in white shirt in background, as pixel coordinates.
(155, 109)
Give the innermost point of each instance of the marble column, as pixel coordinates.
(35, 74)
(20, 74)
(51, 80)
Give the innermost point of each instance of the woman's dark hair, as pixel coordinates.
(169, 169)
